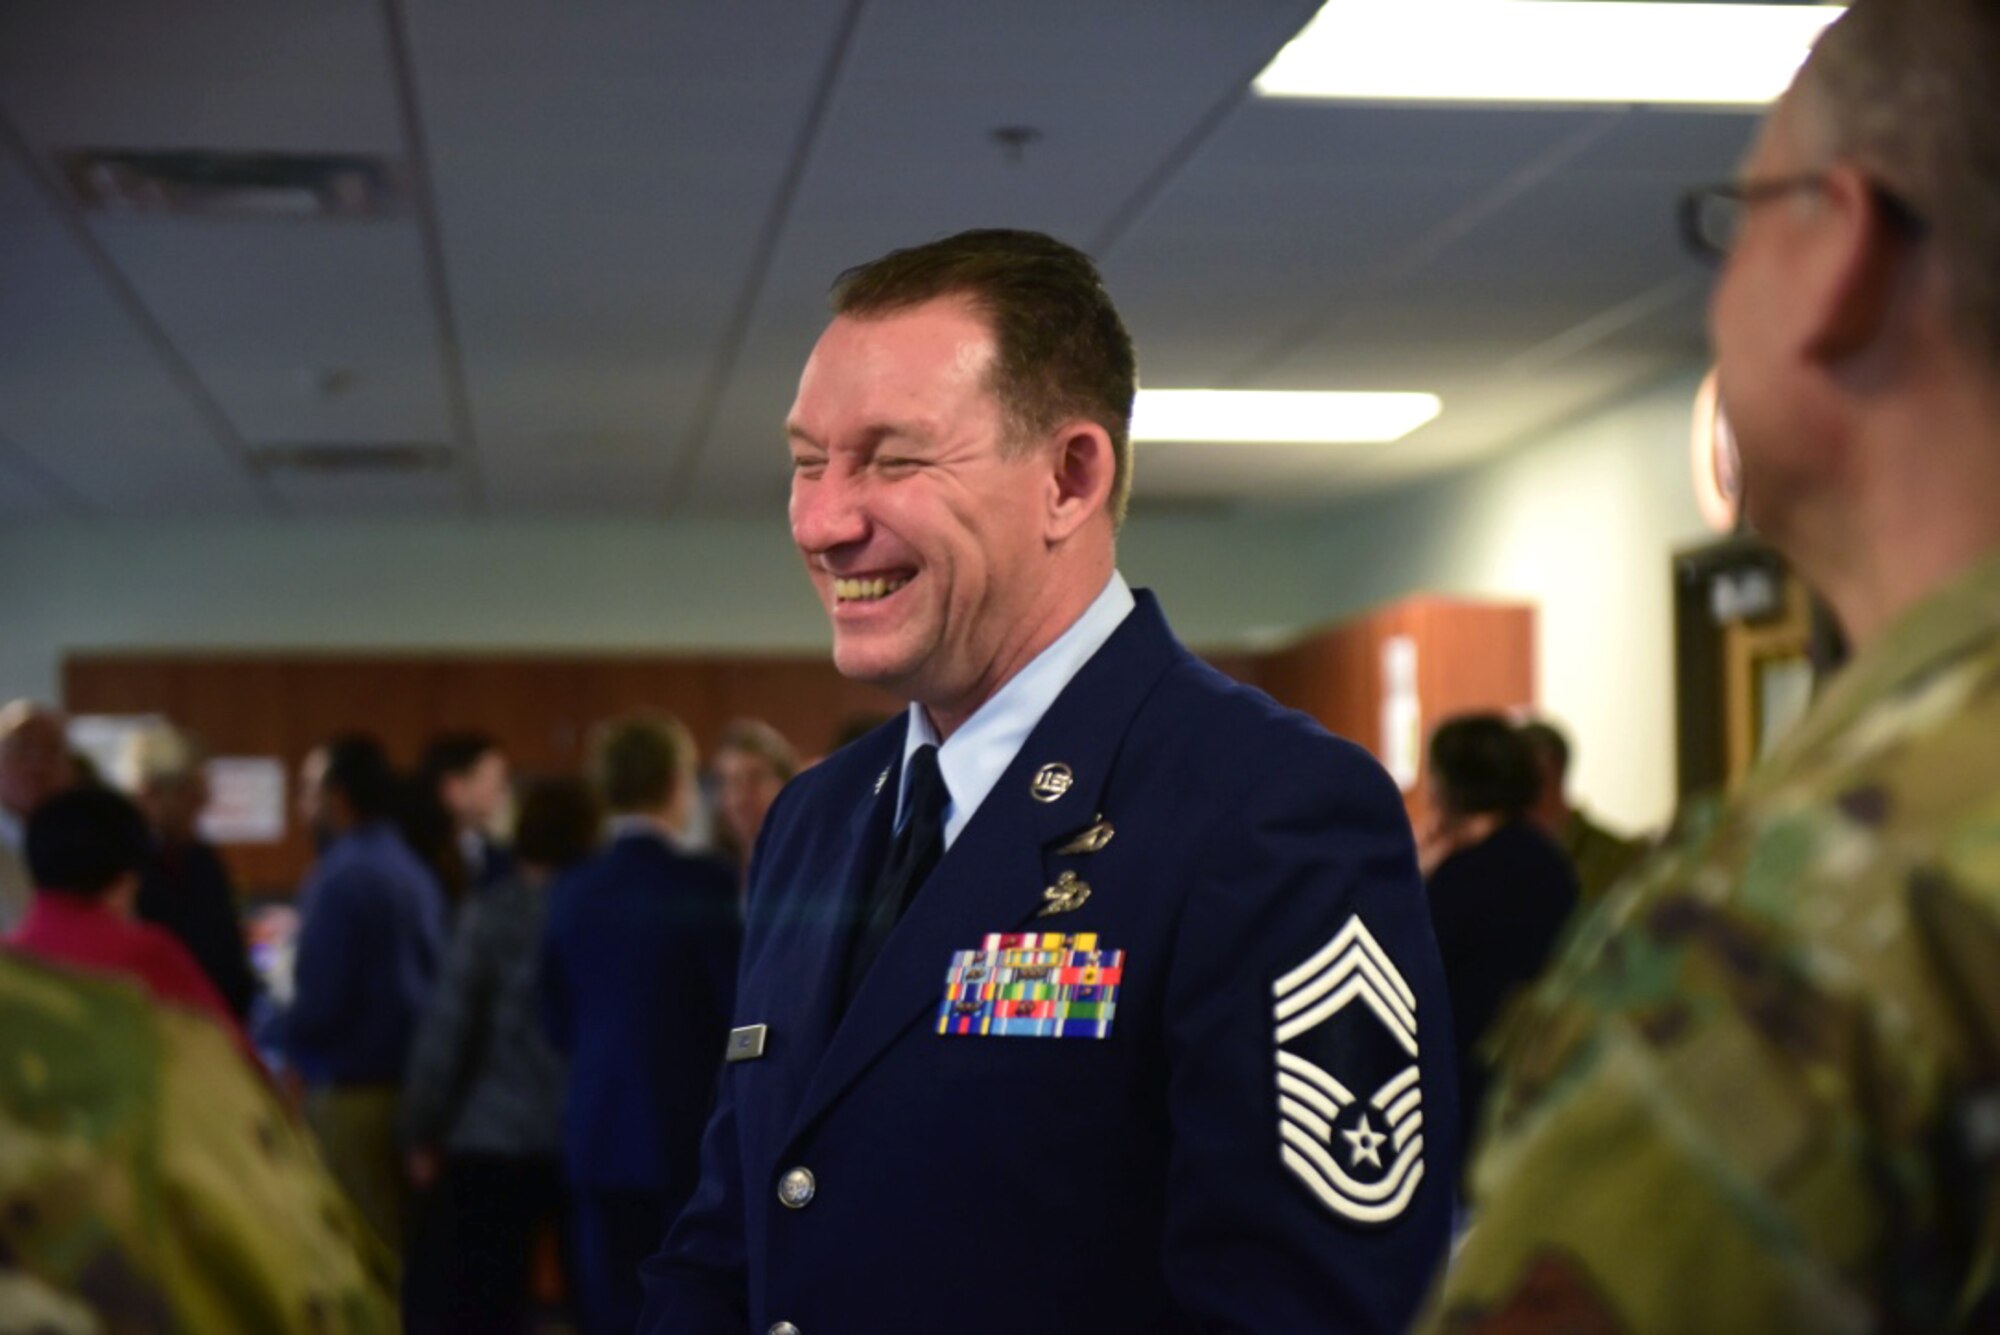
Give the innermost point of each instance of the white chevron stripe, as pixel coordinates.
(1305, 1070)
(1355, 961)
(1404, 1106)
(1408, 1129)
(1294, 1111)
(1352, 934)
(1356, 987)
(1336, 1177)
(1341, 1205)
(1293, 1087)
(1388, 1092)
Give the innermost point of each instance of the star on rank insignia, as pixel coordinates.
(1350, 1101)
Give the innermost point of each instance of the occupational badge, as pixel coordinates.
(1091, 840)
(1032, 985)
(1350, 1100)
(1066, 894)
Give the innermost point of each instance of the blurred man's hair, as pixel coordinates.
(1547, 745)
(558, 823)
(639, 761)
(1909, 91)
(80, 842)
(754, 737)
(455, 753)
(359, 770)
(1480, 766)
(1060, 350)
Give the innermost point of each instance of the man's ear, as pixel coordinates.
(1081, 478)
(1859, 259)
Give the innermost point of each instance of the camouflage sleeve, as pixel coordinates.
(151, 1181)
(1679, 1145)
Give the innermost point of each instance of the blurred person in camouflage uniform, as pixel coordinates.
(150, 1181)
(1761, 1090)
(1599, 856)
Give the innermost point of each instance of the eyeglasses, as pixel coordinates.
(1711, 216)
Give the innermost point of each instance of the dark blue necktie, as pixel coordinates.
(915, 851)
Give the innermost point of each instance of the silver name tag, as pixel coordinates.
(746, 1044)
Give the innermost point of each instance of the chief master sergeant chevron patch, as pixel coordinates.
(1350, 1104)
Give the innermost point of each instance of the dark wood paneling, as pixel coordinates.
(1470, 655)
(540, 708)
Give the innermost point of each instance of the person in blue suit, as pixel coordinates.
(638, 973)
(1097, 992)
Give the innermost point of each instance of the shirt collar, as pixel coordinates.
(1952, 621)
(634, 823)
(975, 756)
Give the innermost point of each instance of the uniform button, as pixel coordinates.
(784, 1328)
(796, 1189)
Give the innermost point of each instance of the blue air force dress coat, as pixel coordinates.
(638, 973)
(1162, 1043)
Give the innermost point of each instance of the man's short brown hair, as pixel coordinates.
(640, 760)
(1061, 352)
(1909, 90)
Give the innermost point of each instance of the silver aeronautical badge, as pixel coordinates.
(1350, 1103)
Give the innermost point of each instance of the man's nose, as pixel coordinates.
(827, 512)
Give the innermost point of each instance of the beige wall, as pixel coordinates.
(1583, 523)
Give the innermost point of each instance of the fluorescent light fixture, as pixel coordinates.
(1547, 51)
(1284, 417)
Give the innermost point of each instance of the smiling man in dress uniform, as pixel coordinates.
(1096, 992)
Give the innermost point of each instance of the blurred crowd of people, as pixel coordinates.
(505, 1002)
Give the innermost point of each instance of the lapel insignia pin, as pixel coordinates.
(1067, 893)
(881, 781)
(1051, 782)
(1091, 840)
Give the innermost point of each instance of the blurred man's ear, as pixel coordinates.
(1856, 275)
(123, 896)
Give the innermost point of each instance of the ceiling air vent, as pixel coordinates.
(337, 459)
(233, 185)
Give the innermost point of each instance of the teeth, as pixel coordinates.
(865, 590)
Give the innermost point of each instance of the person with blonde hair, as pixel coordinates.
(753, 763)
(34, 766)
(638, 979)
(186, 887)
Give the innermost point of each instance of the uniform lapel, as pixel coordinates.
(826, 916)
(993, 876)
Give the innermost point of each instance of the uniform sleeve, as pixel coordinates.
(1310, 1087)
(323, 968)
(1686, 1137)
(176, 977)
(697, 1284)
(234, 977)
(552, 978)
(445, 1037)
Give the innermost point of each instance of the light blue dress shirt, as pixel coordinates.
(973, 758)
